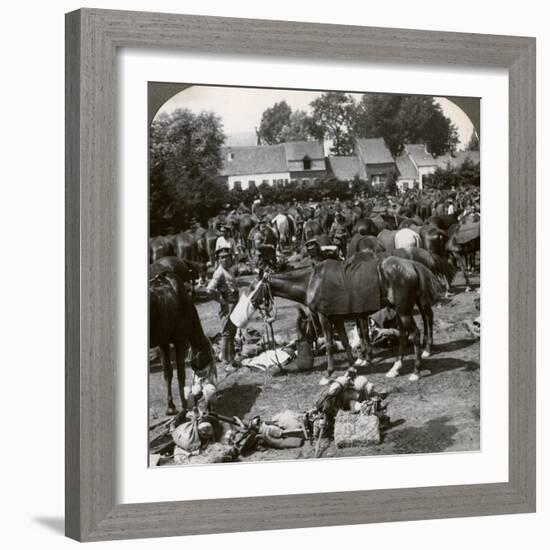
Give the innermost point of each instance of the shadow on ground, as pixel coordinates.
(238, 399)
(433, 437)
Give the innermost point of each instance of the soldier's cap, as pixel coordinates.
(224, 227)
(311, 242)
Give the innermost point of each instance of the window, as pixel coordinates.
(237, 186)
(307, 163)
(250, 183)
(266, 182)
(378, 179)
(305, 180)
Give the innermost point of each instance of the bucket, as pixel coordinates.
(242, 312)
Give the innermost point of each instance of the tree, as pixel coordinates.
(185, 160)
(297, 128)
(274, 120)
(331, 119)
(402, 120)
(473, 144)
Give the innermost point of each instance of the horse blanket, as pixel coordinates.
(406, 238)
(467, 232)
(344, 288)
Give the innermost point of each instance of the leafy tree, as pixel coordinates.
(185, 160)
(297, 128)
(405, 119)
(473, 144)
(332, 118)
(468, 173)
(274, 120)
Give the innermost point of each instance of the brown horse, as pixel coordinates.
(173, 319)
(159, 247)
(463, 251)
(186, 270)
(350, 291)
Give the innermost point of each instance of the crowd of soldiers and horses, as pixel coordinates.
(340, 262)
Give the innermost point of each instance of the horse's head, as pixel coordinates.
(260, 292)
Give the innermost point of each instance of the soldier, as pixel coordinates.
(223, 288)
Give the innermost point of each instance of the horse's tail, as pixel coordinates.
(443, 268)
(430, 288)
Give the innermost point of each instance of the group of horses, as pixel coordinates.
(391, 260)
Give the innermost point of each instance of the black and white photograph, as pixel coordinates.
(314, 274)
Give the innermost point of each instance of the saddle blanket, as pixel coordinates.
(467, 232)
(345, 288)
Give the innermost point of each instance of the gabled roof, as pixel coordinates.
(256, 159)
(419, 155)
(406, 168)
(297, 150)
(345, 168)
(374, 150)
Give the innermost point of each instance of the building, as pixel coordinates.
(425, 163)
(407, 176)
(305, 160)
(344, 168)
(272, 164)
(377, 163)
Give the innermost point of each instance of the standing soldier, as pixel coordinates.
(225, 240)
(223, 288)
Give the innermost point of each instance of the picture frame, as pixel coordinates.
(92, 39)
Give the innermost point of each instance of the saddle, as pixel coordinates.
(345, 288)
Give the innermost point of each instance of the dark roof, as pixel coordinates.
(345, 168)
(406, 168)
(256, 159)
(419, 155)
(374, 150)
(297, 150)
(458, 159)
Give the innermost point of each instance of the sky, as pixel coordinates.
(241, 108)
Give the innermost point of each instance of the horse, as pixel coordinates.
(350, 291)
(463, 251)
(443, 222)
(361, 243)
(440, 267)
(246, 224)
(284, 229)
(312, 228)
(207, 245)
(433, 239)
(173, 319)
(365, 226)
(159, 247)
(186, 270)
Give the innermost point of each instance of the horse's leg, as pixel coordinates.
(411, 328)
(181, 353)
(167, 371)
(394, 371)
(462, 264)
(326, 327)
(341, 329)
(427, 321)
(366, 349)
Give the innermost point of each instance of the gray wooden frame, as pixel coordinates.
(92, 39)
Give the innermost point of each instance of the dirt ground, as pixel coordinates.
(439, 413)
